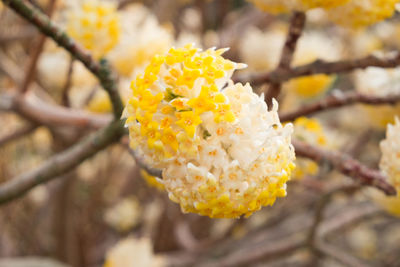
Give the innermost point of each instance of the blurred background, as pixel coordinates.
(109, 212)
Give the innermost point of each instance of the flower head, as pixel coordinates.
(223, 153)
(390, 147)
(132, 252)
(390, 166)
(142, 38)
(96, 25)
(380, 83)
(284, 6)
(360, 13)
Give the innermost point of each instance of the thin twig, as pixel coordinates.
(68, 82)
(338, 100)
(22, 34)
(295, 31)
(100, 69)
(338, 255)
(321, 67)
(40, 112)
(25, 130)
(346, 165)
(320, 209)
(37, 51)
(61, 163)
(139, 161)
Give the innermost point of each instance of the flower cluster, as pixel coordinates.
(131, 252)
(390, 161)
(381, 83)
(96, 25)
(353, 13)
(142, 38)
(360, 13)
(223, 153)
(390, 166)
(283, 6)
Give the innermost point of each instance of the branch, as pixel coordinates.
(338, 100)
(61, 163)
(27, 129)
(321, 67)
(37, 51)
(321, 207)
(36, 110)
(46, 26)
(339, 255)
(22, 34)
(346, 165)
(139, 161)
(295, 30)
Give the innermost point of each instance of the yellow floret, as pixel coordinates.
(152, 180)
(311, 131)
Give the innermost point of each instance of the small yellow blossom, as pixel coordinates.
(152, 180)
(96, 25)
(310, 131)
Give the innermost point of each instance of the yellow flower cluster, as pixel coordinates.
(361, 13)
(310, 131)
(390, 166)
(223, 154)
(351, 13)
(171, 95)
(96, 25)
(284, 6)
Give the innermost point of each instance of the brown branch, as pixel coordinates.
(22, 34)
(296, 28)
(339, 255)
(25, 130)
(321, 67)
(321, 207)
(274, 250)
(346, 165)
(40, 112)
(100, 69)
(37, 51)
(67, 86)
(61, 163)
(338, 100)
(139, 161)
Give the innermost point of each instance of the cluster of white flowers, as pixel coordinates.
(381, 83)
(142, 38)
(132, 252)
(390, 147)
(223, 153)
